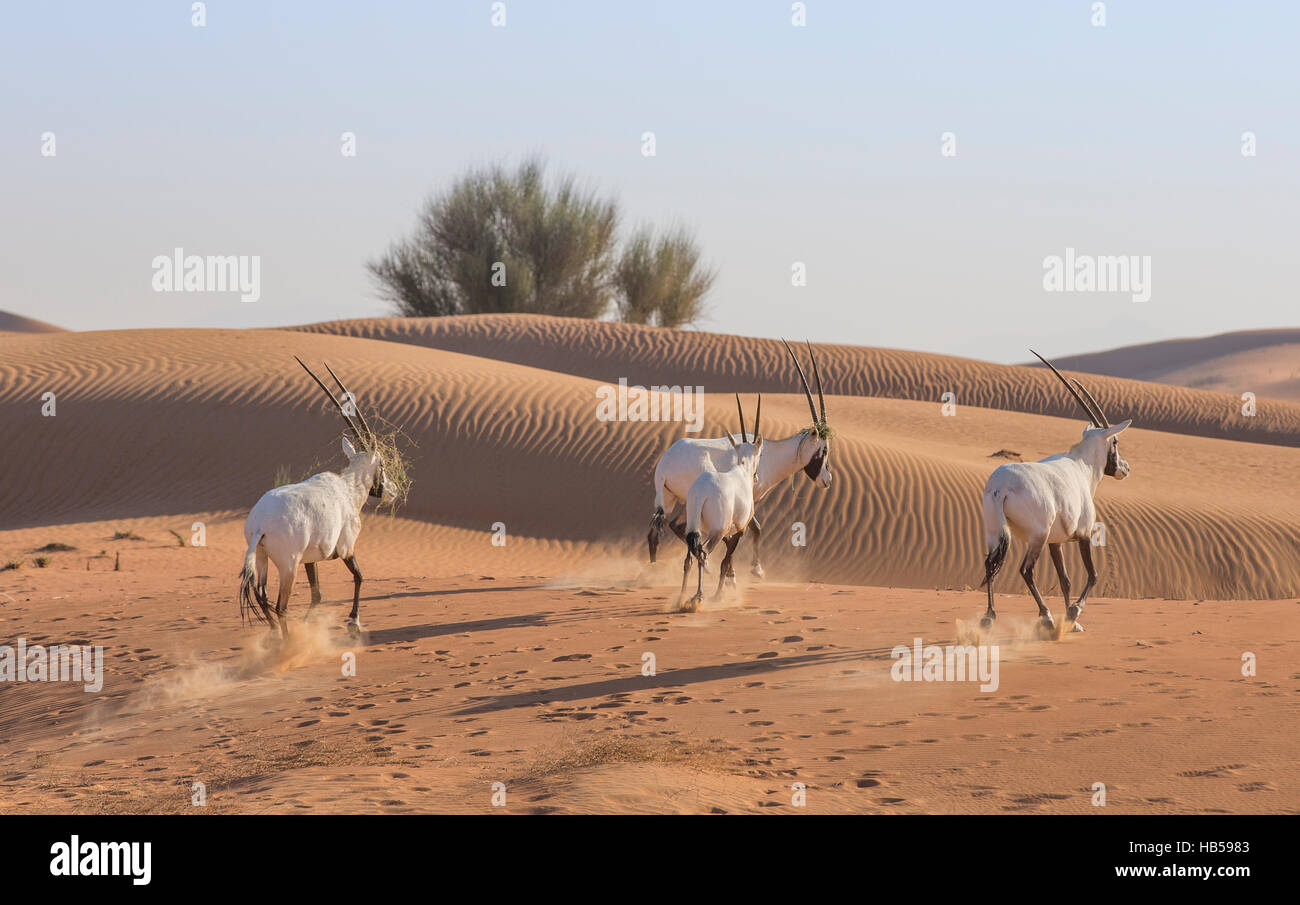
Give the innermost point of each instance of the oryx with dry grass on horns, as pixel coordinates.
(1050, 502)
(807, 451)
(720, 507)
(313, 520)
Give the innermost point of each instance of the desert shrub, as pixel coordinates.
(514, 240)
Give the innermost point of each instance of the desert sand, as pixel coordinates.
(523, 664)
(1263, 362)
(16, 323)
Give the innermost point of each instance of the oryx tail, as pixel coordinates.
(693, 545)
(997, 536)
(249, 602)
(656, 531)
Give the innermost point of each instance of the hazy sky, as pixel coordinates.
(776, 143)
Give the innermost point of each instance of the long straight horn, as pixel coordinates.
(1096, 409)
(1073, 392)
(817, 375)
(758, 414)
(740, 412)
(356, 405)
(806, 391)
(352, 425)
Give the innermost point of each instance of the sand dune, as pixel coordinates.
(174, 424)
(1263, 362)
(16, 323)
(723, 363)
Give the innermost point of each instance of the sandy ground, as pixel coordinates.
(538, 684)
(523, 664)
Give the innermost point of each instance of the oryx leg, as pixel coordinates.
(677, 522)
(314, 582)
(1061, 574)
(726, 562)
(282, 601)
(992, 565)
(1027, 573)
(1085, 550)
(986, 621)
(679, 528)
(686, 574)
(701, 554)
(756, 569)
(354, 624)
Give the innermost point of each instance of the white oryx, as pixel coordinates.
(313, 520)
(688, 458)
(720, 506)
(1050, 502)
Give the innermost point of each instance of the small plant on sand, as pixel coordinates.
(42, 561)
(12, 565)
(55, 547)
(180, 541)
(126, 535)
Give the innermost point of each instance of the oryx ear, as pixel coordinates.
(1116, 428)
(348, 449)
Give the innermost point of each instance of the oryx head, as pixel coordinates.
(363, 454)
(817, 443)
(1100, 440)
(748, 452)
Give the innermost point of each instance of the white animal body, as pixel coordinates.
(1049, 503)
(720, 507)
(688, 458)
(313, 520)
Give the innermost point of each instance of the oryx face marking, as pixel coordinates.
(1116, 466)
(817, 470)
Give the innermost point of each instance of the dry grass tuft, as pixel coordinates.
(389, 445)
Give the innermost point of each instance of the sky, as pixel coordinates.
(821, 144)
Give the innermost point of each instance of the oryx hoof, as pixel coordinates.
(756, 570)
(1072, 612)
(354, 628)
(986, 623)
(1046, 627)
(1077, 628)
(693, 604)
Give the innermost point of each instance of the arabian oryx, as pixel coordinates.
(688, 458)
(313, 520)
(1050, 502)
(720, 506)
